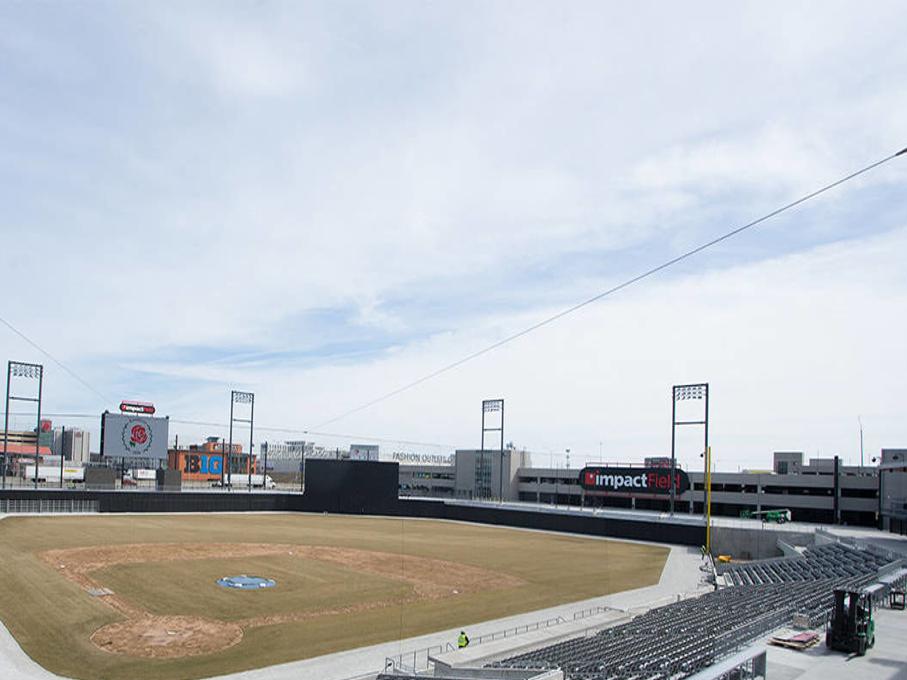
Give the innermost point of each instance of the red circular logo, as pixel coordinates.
(139, 434)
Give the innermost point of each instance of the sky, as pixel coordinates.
(323, 202)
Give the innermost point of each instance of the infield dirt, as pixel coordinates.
(342, 582)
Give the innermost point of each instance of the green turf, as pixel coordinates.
(52, 618)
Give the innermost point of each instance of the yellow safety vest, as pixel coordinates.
(462, 641)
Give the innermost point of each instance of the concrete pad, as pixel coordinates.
(886, 661)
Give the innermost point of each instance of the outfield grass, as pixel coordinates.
(190, 587)
(53, 618)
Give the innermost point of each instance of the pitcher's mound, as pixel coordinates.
(163, 637)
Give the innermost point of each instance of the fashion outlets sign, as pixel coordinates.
(641, 481)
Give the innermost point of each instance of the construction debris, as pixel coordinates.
(800, 641)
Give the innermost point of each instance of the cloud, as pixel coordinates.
(323, 200)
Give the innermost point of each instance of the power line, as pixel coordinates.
(50, 356)
(614, 289)
(258, 428)
(334, 435)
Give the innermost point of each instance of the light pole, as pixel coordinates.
(237, 397)
(567, 466)
(683, 393)
(493, 406)
(553, 464)
(19, 369)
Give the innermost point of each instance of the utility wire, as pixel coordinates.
(50, 356)
(258, 428)
(614, 289)
(335, 435)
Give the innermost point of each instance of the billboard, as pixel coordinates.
(201, 465)
(658, 461)
(134, 436)
(635, 481)
(364, 452)
(143, 407)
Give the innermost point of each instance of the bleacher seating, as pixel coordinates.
(680, 639)
(834, 560)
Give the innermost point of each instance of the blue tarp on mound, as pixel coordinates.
(244, 582)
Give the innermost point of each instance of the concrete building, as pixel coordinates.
(472, 473)
(893, 490)
(822, 490)
(72, 443)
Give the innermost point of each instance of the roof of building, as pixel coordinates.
(24, 449)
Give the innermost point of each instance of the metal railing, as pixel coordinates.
(749, 665)
(592, 611)
(415, 661)
(420, 659)
(518, 630)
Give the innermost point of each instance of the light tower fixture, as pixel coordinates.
(697, 391)
(21, 369)
(238, 397)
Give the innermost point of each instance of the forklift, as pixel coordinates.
(851, 627)
(776, 516)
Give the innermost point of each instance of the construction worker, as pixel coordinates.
(462, 640)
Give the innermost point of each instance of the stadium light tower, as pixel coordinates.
(237, 397)
(19, 369)
(682, 393)
(493, 406)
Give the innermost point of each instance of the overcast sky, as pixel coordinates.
(321, 202)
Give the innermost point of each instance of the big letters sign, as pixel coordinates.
(636, 481)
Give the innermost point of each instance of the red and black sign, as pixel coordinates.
(142, 407)
(642, 481)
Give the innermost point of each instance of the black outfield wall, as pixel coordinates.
(165, 501)
(369, 488)
(567, 522)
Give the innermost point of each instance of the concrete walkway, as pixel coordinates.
(886, 661)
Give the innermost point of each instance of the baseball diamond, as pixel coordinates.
(343, 582)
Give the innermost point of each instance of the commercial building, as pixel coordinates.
(893, 490)
(820, 490)
(21, 446)
(206, 462)
(289, 456)
(72, 443)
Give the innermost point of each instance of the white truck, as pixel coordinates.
(135, 475)
(51, 473)
(241, 479)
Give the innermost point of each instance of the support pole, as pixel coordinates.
(480, 475)
(502, 454)
(38, 425)
(9, 368)
(62, 446)
(251, 432)
(673, 459)
(708, 502)
(230, 448)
